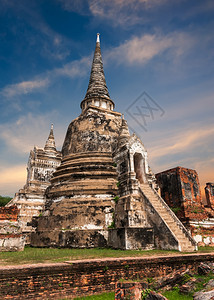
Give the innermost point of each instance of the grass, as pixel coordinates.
(104, 296)
(42, 255)
(175, 295)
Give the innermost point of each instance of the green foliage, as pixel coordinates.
(145, 293)
(175, 295)
(175, 209)
(114, 164)
(4, 200)
(186, 278)
(196, 210)
(112, 225)
(150, 279)
(126, 267)
(116, 198)
(204, 280)
(105, 268)
(118, 183)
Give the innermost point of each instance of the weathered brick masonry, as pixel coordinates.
(87, 277)
(180, 189)
(11, 237)
(9, 213)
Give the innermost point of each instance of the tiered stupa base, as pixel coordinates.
(80, 204)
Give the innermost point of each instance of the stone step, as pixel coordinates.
(183, 241)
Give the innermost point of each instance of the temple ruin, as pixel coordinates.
(103, 193)
(99, 190)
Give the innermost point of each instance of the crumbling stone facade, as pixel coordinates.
(11, 237)
(30, 199)
(180, 189)
(103, 193)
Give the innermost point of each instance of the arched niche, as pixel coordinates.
(139, 167)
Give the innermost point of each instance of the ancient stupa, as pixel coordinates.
(30, 199)
(103, 193)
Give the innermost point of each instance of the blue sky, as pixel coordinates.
(162, 47)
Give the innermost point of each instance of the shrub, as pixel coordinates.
(4, 200)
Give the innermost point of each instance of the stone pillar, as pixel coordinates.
(132, 162)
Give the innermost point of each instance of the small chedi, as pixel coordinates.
(30, 199)
(99, 190)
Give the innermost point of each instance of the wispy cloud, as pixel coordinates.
(29, 130)
(183, 141)
(118, 12)
(77, 68)
(142, 49)
(24, 87)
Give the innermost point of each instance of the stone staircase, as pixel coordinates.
(185, 241)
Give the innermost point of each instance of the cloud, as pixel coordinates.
(29, 130)
(24, 87)
(118, 12)
(144, 48)
(183, 141)
(77, 68)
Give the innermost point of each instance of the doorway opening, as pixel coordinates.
(139, 167)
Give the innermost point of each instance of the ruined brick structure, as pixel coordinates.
(31, 198)
(11, 237)
(103, 193)
(180, 189)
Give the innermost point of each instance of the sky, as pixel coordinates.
(158, 62)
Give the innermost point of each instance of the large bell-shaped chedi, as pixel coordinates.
(80, 200)
(104, 180)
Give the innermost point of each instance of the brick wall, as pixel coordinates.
(180, 189)
(87, 277)
(9, 213)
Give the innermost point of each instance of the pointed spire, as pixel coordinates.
(124, 132)
(97, 87)
(50, 143)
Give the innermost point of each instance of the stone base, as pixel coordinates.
(131, 238)
(12, 242)
(70, 238)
